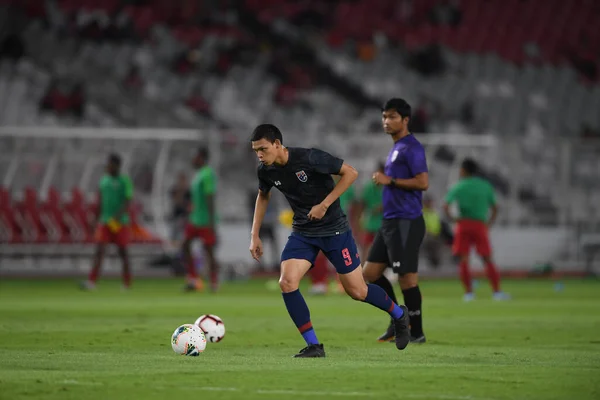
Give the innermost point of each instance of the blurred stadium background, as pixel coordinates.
(512, 83)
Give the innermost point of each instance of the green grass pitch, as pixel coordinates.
(59, 343)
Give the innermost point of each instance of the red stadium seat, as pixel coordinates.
(5, 200)
(497, 26)
(77, 218)
(52, 217)
(28, 217)
(10, 231)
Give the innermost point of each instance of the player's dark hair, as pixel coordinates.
(400, 105)
(114, 158)
(381, 166)
(267, 131)
(204, 153)
(470, 166)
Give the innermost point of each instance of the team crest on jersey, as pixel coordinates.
(302, 177)
(394, 155)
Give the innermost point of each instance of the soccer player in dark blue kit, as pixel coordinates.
(399, 239)
(304, 177)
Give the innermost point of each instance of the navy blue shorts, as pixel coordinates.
(339, 249)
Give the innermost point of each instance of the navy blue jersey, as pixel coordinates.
(305, 181)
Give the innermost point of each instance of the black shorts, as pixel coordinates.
(397, 244)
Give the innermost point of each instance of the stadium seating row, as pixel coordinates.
(553, 25)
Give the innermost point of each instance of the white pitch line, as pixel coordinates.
(218, 389)
(75, 382)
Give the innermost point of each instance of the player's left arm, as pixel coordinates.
(417, 164)
(128, 186)
(210, 189)
(98, 210)
(348, 175)
(325, 163)
(418, 182)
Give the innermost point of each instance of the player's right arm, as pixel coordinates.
(493, 206)
(260, 208)
(209, 188)
(324, 163)
(128, 196)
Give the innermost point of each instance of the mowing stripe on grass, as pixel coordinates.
(304, 392)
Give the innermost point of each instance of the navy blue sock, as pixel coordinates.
(298, 310)
(377, 297)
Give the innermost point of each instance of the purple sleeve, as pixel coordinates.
(416, 160)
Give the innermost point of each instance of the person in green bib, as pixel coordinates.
(115, 192)
(348, 200)
(477, 207)
(202, 222)
(371, 210)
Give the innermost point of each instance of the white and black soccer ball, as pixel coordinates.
(212, 326)
(188, 340)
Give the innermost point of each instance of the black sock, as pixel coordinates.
(412, 300)
(386, 285)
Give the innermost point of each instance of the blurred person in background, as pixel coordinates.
(115, 193)
(433, 243)
(202, 222)
(63, 99)
(180, 207)
(77, 100)
(133, 79)
(477, 209)
(56, 98)
(12, 47)
(370, 210)
(445, 12)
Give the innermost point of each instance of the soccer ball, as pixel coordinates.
(212, 326)
(188, 340)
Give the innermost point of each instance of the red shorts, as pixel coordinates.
(471, 233)
(207, 235)
(105, 235)
(368, 238)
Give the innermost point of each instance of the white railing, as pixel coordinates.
(359, 149)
